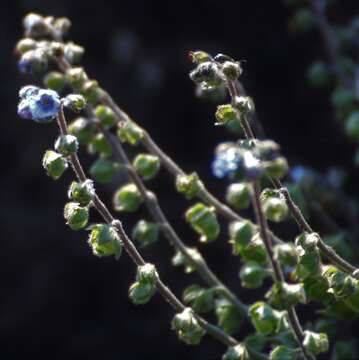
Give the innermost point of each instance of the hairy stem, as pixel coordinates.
(277, 270)
(131, 250)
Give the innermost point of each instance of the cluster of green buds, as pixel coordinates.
(43, 43)
(212, 73)
(142, 290)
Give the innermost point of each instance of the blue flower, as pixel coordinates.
(227, 161)
(38, 104)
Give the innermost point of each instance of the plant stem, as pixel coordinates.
(294, 209)
(277, 270)
(131, 250)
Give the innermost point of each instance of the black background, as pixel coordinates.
(57, 300)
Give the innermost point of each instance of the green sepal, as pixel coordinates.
(127, 198)
(200, 299)
(104, 241)
(204, 221)
(76, 216)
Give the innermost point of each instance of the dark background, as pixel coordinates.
(57, 300)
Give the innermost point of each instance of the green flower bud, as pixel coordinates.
(316, 288)
(81, 192)
(99, 144)
(187, 327)
(92, 91)
(199, 56)
(62, 24)
(141, 292)
(105, 241)
(308, 256)
(255, 341)
(315, 343)
(319, 75)
(66, 145)
(106, 116)
(234, 127)
(76, 77)
(228, 317)
(147, 274)
(207, 72)
(303, 20)
(76, 216)
(277, 168)
(254, 251)
(129, 132)
(83, 130)
(265, 320)
(201, 300)
(189, 185)
(238, 195)
(204, 221)
(34, 61)
(238, 352)
(73, 52)
(344, 102)
(283, 295)
(232, 70)
(352, 126)
(54, 164)
(341, 285)
(127, 198)
(147, 165)
(282, 352)
(243, 104)
(241, 233)
(102, 170)
(146, 233)
(35, 25)
(252, 275)
(75, 102)
(274, 205)
(308, 241)
(180, 259)
(286, 254)
(214, 94)
(24, 45)
(225, 114)
(55, 80)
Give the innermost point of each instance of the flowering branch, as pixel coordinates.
(130, 248)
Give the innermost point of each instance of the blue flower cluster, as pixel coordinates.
(228, 160)
(38, 104)
(231, 160)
